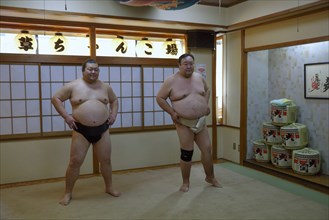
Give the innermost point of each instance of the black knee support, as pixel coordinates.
(186, 155)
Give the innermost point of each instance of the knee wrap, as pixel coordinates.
(186, 155)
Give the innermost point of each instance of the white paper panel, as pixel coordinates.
(148, 104)
(4, 90)
(45, 74)
(158, 118)
(168, 119)
(55, 87)
(158, 74)
(169, 72)
(148, 74)
(5, 109)
(46, 123)
(45, 89)
(58, 123)
(126, 73)
(137, 104)
(68, 107)
(4, 70)
(56, 73)
(17, 73)
(19, 125)
(115, 75)
(137, 89)
(126, 105)
(18, 108)
(33, 125)
(32, 73)
(18, 91)
(32, 90)
(71, 73)
(156, 88)
(126, 120)
(136, 74)
(125, 81)
(104, 74)
(32, 107)
(116, 88)
(148, 119)
(117, 122)
(126, 90)
(5, 126)
(46, 107)
(148, 89)
(137, 119)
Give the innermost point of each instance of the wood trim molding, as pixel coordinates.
(315, 7)
(20, 15)
(287, 44)
(243, 101)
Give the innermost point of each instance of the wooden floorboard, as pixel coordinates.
(318, 182)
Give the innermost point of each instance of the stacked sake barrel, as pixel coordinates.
(284, 115)
(283, 112)
(284, 141)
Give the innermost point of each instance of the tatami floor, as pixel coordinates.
(318, 181)
(153, 194)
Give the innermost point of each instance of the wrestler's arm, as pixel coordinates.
(162, 96)
(57, 100)
(113, 100)
(207, 93)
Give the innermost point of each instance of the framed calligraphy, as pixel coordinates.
(316, 80)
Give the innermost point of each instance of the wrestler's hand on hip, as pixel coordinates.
(175, 118)
(71, 122)
(111, 119)
(208, 111)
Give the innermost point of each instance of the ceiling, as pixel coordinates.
(222, 3)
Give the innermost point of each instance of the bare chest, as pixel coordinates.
(84, 93)
(181, 90)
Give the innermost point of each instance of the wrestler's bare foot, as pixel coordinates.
(66, 199)
(185, 187)
(213, 182)
(113, 192)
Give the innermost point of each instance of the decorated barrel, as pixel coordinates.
(294, 136)
(261, 151)
(306, 161)
(283, 114)
(281, 157)
(271, 133)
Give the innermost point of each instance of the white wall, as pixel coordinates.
(196, 13)
(307, 27)
(228, 143)
(43, 159)
(113, 8)
(256, 8)
(29, 160)
(232, 78)
(204, 57)
(310, 26)
(146, 149)
(229, 136)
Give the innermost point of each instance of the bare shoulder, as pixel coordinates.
(170, 79)
(198, 75)
(106, 85)
(70, 85)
